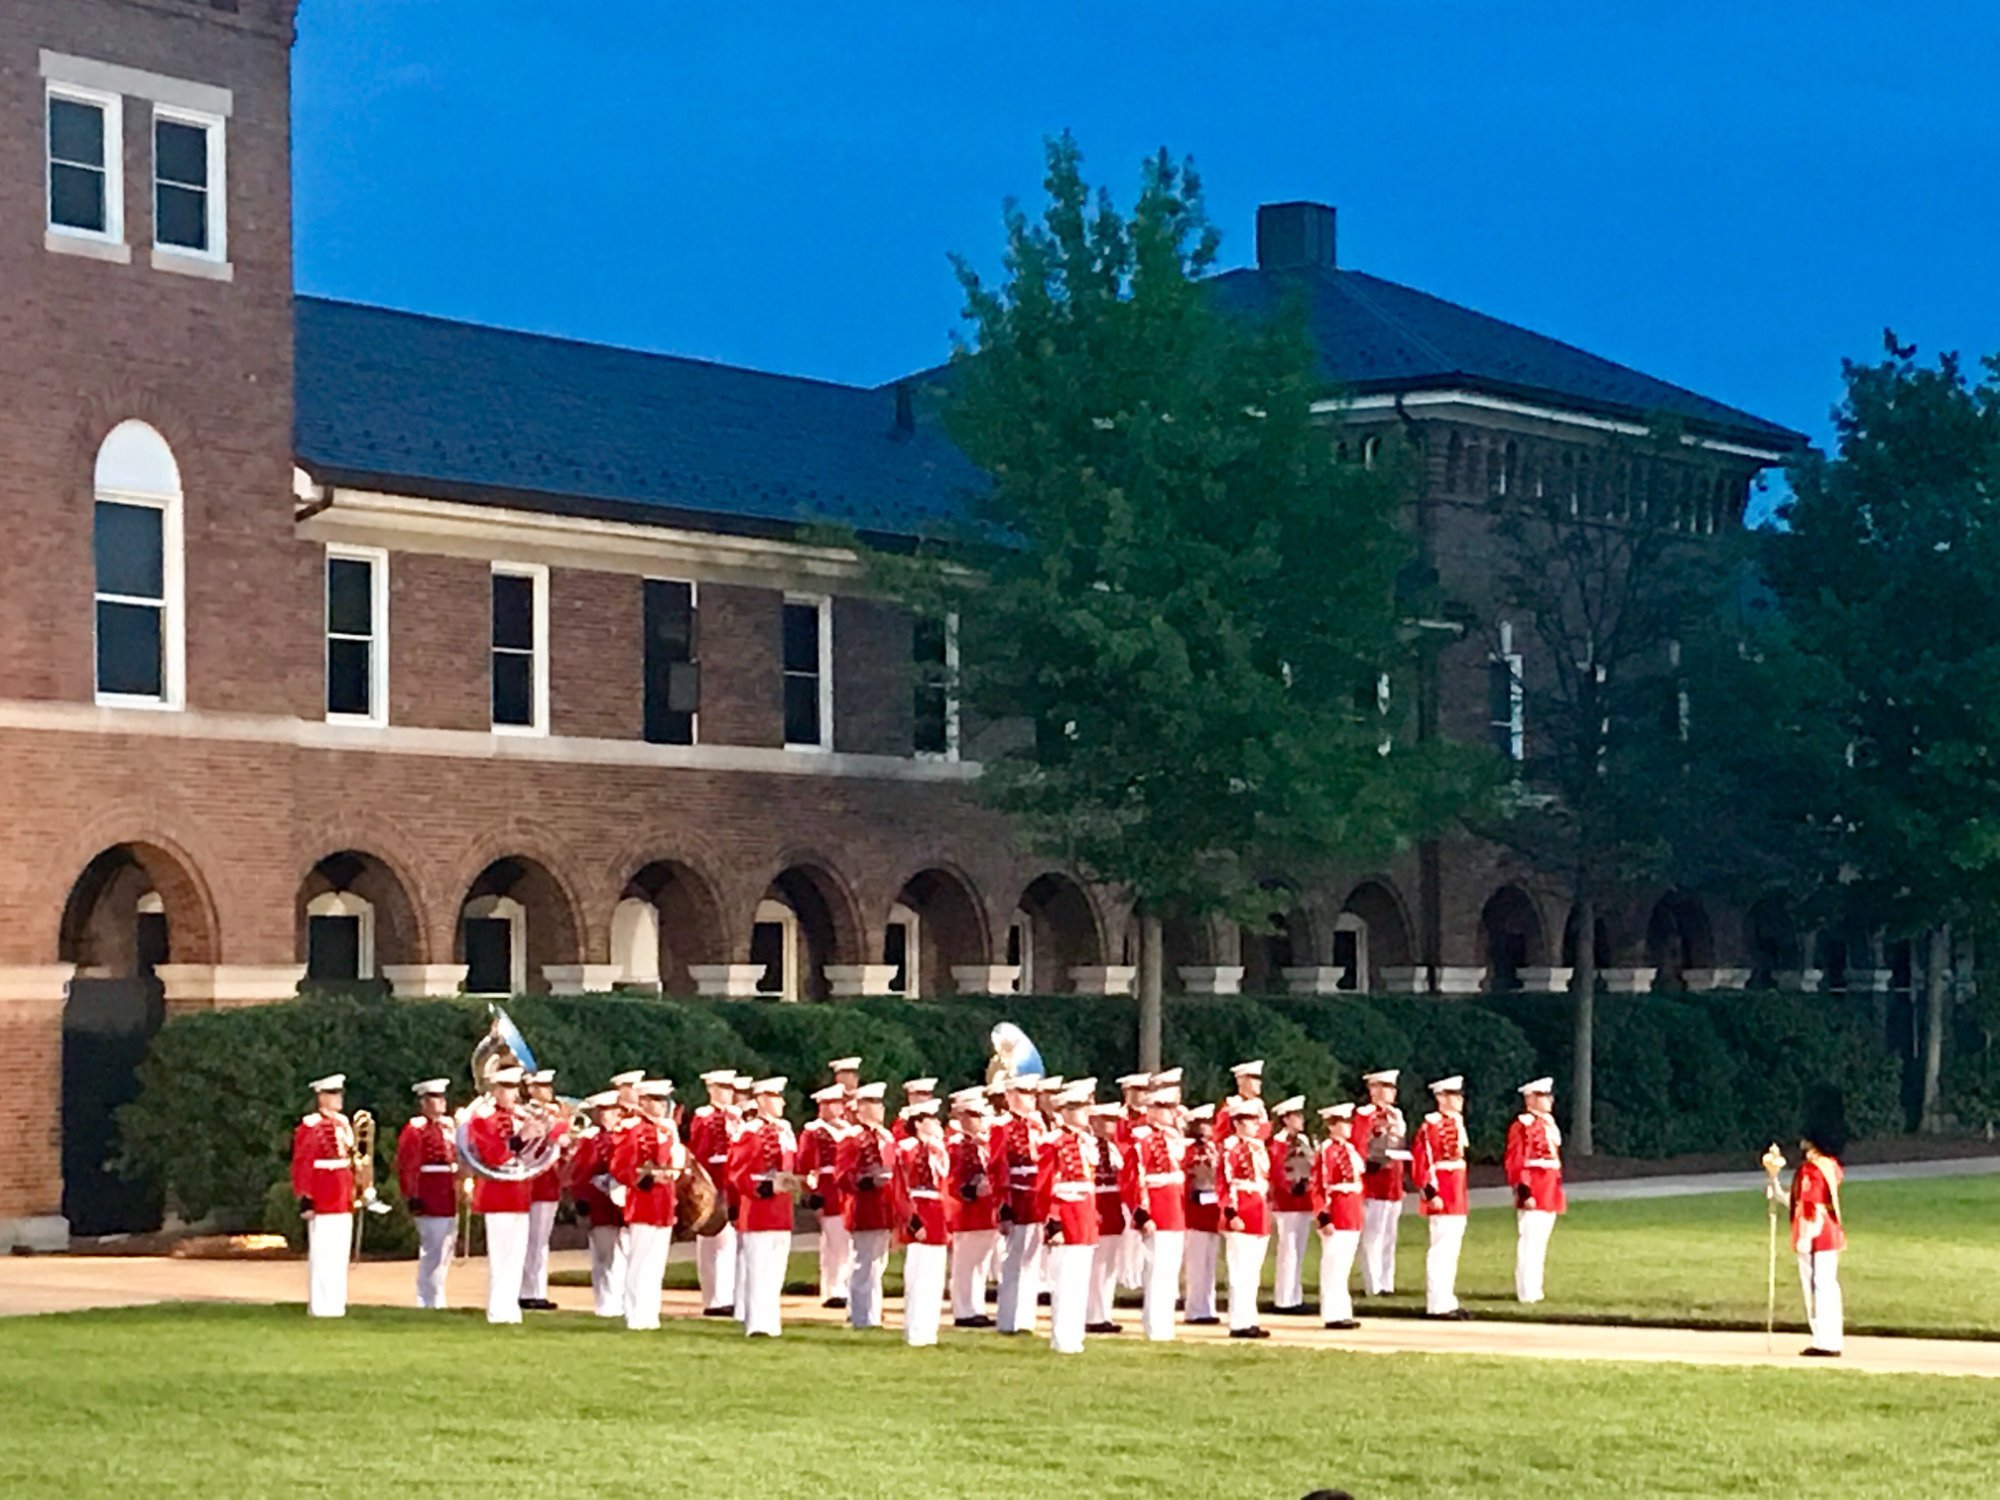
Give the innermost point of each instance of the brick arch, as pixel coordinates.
(850, 932)
(380, 839)
(122, 400)
(192, 927)
(953, 929)
(1070, 924)
(181, 861)
(681, 878)
(1379, 902)
(399, 926)
(530, 841)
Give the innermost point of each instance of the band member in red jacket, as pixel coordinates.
(1113, 1218)
(1336, 1194)
(866, 1169)
(1382, 1138)
(923, 1194)
(761, 1166)
(1156, 1187)
(1015, 1167)
(648, 1161)
(499, 1131)
(710, 1130)
(1199, 1162)
(1066, 1204)
(974, 1216)
(819, 1160)
(323, 1182)
(1437, 1164)
(1291, 1149)
(915, 1091)
(1229, 1119)
(427, 1176)
(1243, 1180)
(1818, 1235)
(600, 1202)
(542, 1204)
(1534, 1172)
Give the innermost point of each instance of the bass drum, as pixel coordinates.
(698, 1204)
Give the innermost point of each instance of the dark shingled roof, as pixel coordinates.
(461, 411)
(1376, 336)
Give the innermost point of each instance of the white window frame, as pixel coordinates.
(1023, 921)
(538, 694)
(173, 586)
(778, 912)
(515, 915)
(179, 257)
(347, 904)
(694, 614)
(951, 744)
(378, 657)
(635, 941)
(912, 925)
(824, 604)
(62, 236)
(1517, 706)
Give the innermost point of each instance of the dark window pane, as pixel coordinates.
(513, 688)
(350, 596)
(153, 940)
(767, 947)
(801, 637)
(932, 700)
(180, 153)
(180, 217)
(347, 674)
(669, 620)
(489, 956)
(1014, 945)
(896, 952)
(76, 132)
(802, 711)
(673, 696)
(76, 198)
(333, 948)
(1347, 959)
(513, 611)
(130, 551)
(128, 650)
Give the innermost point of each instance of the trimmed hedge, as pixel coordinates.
(221, 1091)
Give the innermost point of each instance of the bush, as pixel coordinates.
(1207, 1035)
(1449, 1036)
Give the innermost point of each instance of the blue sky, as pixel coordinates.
(1730, 196)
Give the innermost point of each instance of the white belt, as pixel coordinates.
(925, 1193)
(333, 1163)
(1541, 1161)
(1161, 1179)
(1457, 1164)
(1073, 1192)
(437, 1166)
(722, 1156)
(1343, 1187)
(1015, 1173)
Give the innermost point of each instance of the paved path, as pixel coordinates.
(1626, 1189)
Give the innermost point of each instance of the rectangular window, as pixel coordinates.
(357, 619)
(673, 677)
(333, 948)
(934, 647)
(1507, 699)
(896, 954)
(131, 596)
(808, 673)
(84, 150)
(489, 956)
(187, 184)
(520, 649)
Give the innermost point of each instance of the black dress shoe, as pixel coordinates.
(1249, 1333)
(1202, 1322)
(980, 1321)
(538, 1304)
(1343, 1323)
(1460, 1314)
(834, 1302)
(718, 1312)
(1102, 1328)
(1296, 1310)
(1042, 1300)
(1818, 1353)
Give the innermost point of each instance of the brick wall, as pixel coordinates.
(741, 693)
(597, 654)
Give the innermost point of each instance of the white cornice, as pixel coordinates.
(1442, 402)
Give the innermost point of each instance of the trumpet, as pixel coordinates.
(363, 1156)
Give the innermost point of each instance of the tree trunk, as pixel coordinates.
(1583, 995)
(1936, 965)
(1152, 987)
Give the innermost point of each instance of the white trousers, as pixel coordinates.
(1336, 1264)
(1068, 1269)
(1819, 1278)
(1202, 1247)
(864, 1286)
(1379, 1222)
(646, 1248)
(1441, 1263)
(1288, 1271)
(1132, 1259)
(1020, 1286)
(1245, 1255)
(715, 1267)
(1106, 1255)
(437, 1237)
(329, 1241)
(506, 1249)
(1163, 1274)
(1531, 1251)
(535, 1266)
(607, 1270)
(923, 1292)
(836, 1257)
(765, 1252)
(971, 1258)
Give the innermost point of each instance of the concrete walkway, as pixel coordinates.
(1629, 1189)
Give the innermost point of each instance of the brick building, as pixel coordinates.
(352, 645)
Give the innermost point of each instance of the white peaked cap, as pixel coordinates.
(1252, 1069)
(1074, 1095)
(1054, 1083)
(657, 1088)
(1337, 1112)
(1202, 1112)
(828, 1094)
(720, 1075)
(919, 1110)
(1106, 1111)
(1025, 1083)
(769, 1085)
(507, 1075)
(1134, 1080)
(970, 1099)
(998, 1086)
(844, 1065)
(333, 1083)
(872, 1091)
(431, 1086)
(1164, 1096)
(1382, 1075)
(920, 1086)
(606, 1100)
(1294, 1105)
(629, 1076)
(1084, 1083)
(1452, 1085)
(1539, 1086)
(743, 1082)
(543, 1075)
(1170, 1076)
(1245, 1107)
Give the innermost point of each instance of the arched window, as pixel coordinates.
(635, 941)
(774, 943)
(900, 951)
(340, 937)
(496, 946)
(136, 540)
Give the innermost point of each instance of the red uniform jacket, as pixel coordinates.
(1437, 1161)
(1227, 1125)
(592, 1161)
(819, 1151)
(648, 1144)
(969, 1174)
(548, 1187)
(1066, 1185)
(710, 1130)
(323, 1163)
(1816, 1205)
(866, 1169)
(1381, 1180)
(496, 1140)
(427, 1167)
(1153, 1175)
(1291, 1172)
(761, 1149)
(1015, 1163)
(1534, 1160)
(923, 1181)
(1243, 1179)
(1203, 1198)
(1336, 1185)
(1112, 1189)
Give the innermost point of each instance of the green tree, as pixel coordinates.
(1170, 584)
(1887, 563)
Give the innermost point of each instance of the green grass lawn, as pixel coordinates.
(212, 1400)
(1924, 1258)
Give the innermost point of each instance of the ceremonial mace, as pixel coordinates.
(1774, 1163)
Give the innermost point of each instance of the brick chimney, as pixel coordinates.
(1295, 236)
